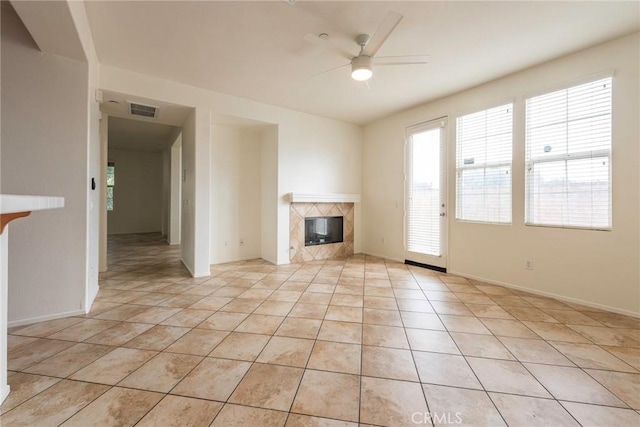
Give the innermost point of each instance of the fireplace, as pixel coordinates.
(323, 230)
(311, 222)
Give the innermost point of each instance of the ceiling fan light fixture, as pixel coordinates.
(361, 68)
(361, 74)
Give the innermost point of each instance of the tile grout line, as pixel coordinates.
(132, 277)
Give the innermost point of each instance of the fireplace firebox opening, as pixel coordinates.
(323, 230)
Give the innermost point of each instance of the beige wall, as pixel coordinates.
(595, 267)
(137, 192)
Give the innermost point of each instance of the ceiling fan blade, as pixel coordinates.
(381, 60)
(330, 69)
(385, 29)
(402, 63)
(315, 40)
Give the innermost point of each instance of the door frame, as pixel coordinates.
(438, 263)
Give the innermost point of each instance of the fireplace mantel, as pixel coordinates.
(324, 198)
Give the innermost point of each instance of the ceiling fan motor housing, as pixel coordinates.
(361, 61)
(361, 67)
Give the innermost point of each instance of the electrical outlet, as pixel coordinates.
(382, 240)
(528, 265)
(226, 243)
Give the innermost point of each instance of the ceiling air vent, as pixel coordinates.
(142, 110)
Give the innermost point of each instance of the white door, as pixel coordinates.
(425, 194)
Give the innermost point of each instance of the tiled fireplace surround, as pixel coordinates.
(298, 252)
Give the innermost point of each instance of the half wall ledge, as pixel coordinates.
(13, 207)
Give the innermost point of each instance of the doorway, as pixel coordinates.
(141, 169)
(425, 195)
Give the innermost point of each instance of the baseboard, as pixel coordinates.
(91, 298)
(401, 261)
(117, 233)
(31, 320)
(549, 294)
(187, 267)
(216, 262)
(4, 392)
(195, 276)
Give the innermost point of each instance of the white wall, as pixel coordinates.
(171, 176)
(4, 246)
(137, 194)
(93, 167)
(202, 193)
(166, 192)
(269, 194)
(300, 138)
(44, 151)
(236, 200)
(316, 156)
(188, 217)
(595, 267)
(102, 185)
(175, 205)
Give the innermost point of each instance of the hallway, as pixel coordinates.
(331, 343)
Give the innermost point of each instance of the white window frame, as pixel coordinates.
(111, 207)
(530, 162)
(461, 167)
(439, 259)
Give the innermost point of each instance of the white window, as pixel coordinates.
(483, 165)
(111, 182)
(568, 155)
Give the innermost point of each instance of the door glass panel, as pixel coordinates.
(424, 204)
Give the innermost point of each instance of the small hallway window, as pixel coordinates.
(111, 182)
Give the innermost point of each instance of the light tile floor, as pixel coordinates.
(331, 343)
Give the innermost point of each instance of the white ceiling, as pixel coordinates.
(256, 49)
(127, 132)
(136, 135)
(117, 105)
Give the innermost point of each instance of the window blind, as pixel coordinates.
(568, 153)
(483, 165)
(424, 178)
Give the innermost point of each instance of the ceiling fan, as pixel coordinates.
(363, 63)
